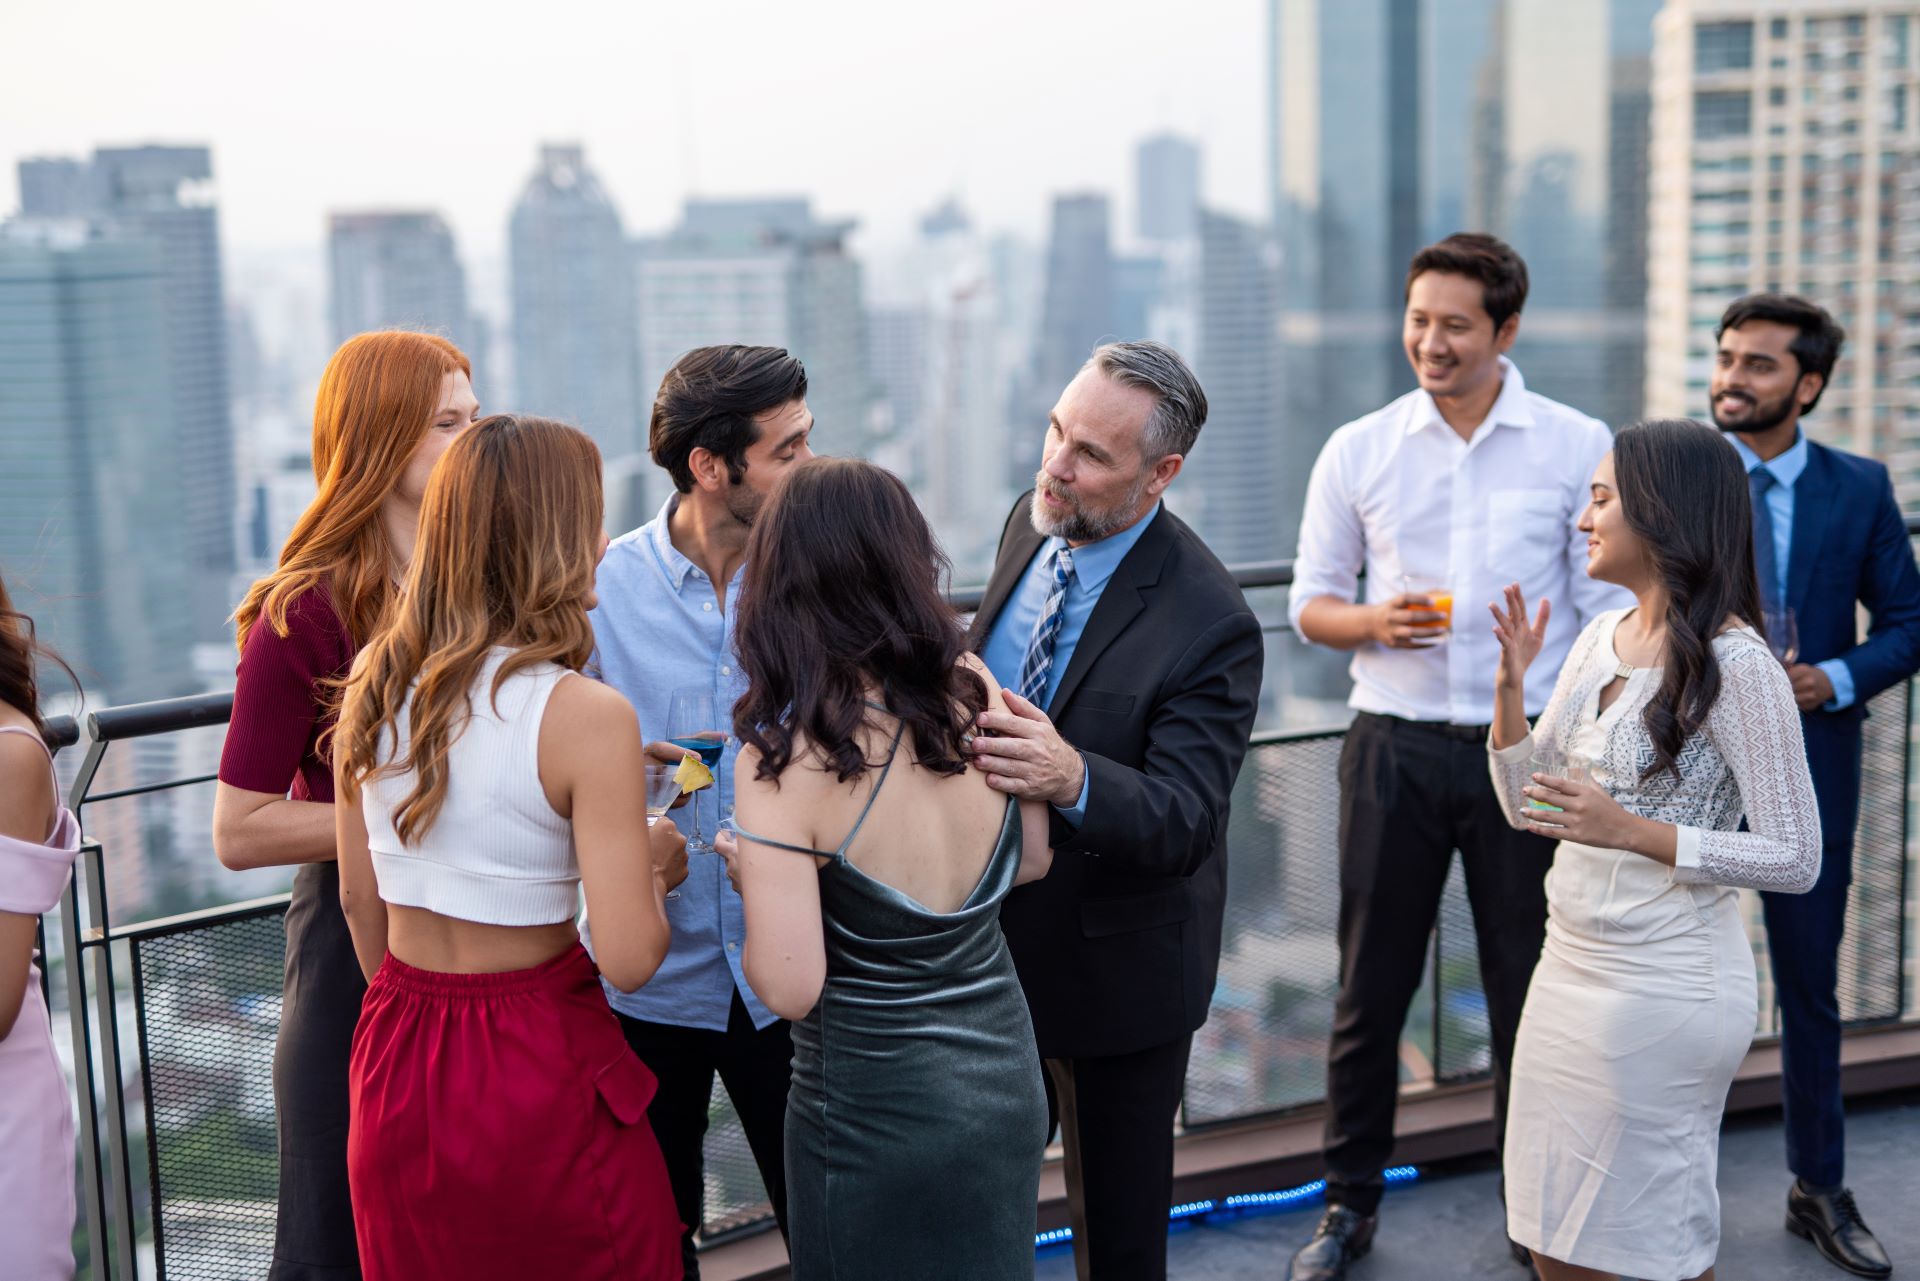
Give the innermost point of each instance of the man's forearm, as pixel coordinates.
(1338, 624)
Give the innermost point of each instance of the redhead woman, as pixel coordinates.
(499, 1117)
(389, 405)
(38, 842)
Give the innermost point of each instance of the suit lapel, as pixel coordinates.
(1016, 553)
(1812, 504)
(1124, 596)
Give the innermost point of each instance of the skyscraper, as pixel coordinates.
(940, 349)
(1248, 501)
(392, 269)
(1077, 313)
(1786, 157)
(1077, 309)
(165, 195)
(1395, 122)
(92, 529)
(575, 352)
(762, 272)
(1167, 175)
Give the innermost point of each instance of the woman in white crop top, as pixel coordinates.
(498, 1117)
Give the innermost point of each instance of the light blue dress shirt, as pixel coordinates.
(1006, 648)
(660, 628)
(1786, 470)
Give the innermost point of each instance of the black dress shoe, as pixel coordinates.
(1343, 1236)
(1833, 1223)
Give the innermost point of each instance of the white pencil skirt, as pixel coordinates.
(1641, 1010)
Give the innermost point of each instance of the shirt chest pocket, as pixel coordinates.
(1526, 530)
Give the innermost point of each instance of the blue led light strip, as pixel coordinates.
(1240, 1201)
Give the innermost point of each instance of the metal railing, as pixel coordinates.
(201, 992)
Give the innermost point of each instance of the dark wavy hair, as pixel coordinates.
(1684, 493)
(20, 656)
(709, 399)
(843, 595)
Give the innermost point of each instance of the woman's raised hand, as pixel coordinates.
(1520, 640)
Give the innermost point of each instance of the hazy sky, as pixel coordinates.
(874, 109)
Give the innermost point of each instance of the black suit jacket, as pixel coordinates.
(1118, 947)
(1849, 545)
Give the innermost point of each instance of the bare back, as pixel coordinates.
(929, 836)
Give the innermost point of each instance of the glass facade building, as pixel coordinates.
(1786, 157)
(574, 348)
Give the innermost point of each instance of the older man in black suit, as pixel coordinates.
(1133, 666)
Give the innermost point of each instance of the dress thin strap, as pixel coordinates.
(873, 795)
(840, 853)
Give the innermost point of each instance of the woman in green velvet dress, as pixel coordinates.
(872, 859)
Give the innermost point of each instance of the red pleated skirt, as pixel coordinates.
(499, 1130)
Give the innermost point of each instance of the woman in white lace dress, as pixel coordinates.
(1644, 1001)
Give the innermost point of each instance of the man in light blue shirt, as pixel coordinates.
(727, 423)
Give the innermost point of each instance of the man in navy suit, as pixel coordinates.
(1827, 534)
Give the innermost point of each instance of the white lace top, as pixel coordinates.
(1747, 761)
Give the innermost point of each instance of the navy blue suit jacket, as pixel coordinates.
(1850, 545)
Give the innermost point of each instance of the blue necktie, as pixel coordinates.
(1038, 664)
(1765, 565)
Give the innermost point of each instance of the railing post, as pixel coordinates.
(112, 1246)
(93, 1193)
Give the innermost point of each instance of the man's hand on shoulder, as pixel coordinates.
(1021, 753)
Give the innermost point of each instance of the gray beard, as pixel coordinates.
(1080, 525)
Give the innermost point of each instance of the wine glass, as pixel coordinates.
(693, 725)
(1783, 635)
(663, 788)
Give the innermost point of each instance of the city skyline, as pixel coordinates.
(676, 104)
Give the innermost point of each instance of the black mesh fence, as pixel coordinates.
(208, 1003)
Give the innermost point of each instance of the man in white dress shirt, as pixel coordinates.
(1442, 498)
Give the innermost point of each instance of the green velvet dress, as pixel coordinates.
(917, 1117)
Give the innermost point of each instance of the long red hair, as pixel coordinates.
(376, 402)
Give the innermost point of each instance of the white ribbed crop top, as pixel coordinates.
(497, 853)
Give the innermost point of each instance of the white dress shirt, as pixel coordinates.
(1399, 493)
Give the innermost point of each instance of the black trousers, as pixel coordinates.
(1115, 1115)
(1803, 944)
(755, 1066)
(313, 1237)
(1411, 793)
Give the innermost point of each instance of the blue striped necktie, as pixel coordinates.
(1766, 563)
(1037, 666)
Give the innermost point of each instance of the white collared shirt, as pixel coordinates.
(1399, 493)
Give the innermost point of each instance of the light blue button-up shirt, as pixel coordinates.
(659, 628)
(1786, 470)
(1006, 647)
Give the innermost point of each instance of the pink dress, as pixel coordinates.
(36, 1113)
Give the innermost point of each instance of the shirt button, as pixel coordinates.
(726, 671)
(733, 947)
(708, 606)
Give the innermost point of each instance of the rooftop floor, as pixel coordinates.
(1448, 1227)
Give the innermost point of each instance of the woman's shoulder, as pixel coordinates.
(1738, 642)
(312, 624)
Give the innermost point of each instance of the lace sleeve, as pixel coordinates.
(1512, 767)
(1755, 727)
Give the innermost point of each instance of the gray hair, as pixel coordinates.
(1176, 419)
